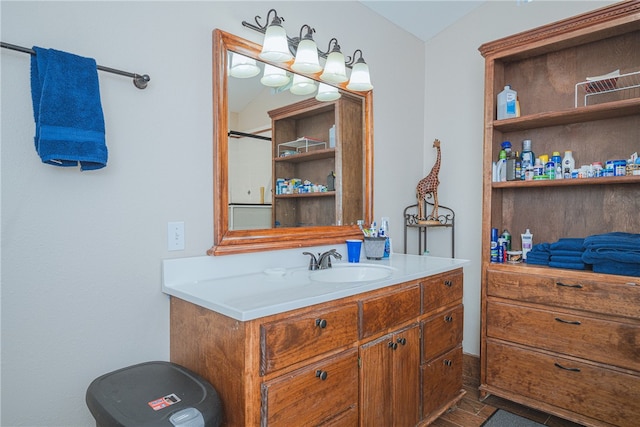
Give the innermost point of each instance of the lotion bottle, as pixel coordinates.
(527, 243)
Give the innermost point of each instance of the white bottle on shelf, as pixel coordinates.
(568, 164)
(507, 100)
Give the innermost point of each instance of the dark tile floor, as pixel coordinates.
(470, 412)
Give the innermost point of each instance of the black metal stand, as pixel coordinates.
(446, 218)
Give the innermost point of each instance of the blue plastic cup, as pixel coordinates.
(353, 250)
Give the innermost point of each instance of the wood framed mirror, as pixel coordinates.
(233, 241)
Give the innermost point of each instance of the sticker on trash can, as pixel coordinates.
(164, 402)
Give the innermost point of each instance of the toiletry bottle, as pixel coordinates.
(502, 166)
(511, 161)
(527, 157)
(507, 237)
(557, 162)
(507, 100)
(519, 173)
(384, 232)
(568, 164)
(494, 245)
(527, 243)
(538, 169)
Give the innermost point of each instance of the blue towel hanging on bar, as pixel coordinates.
(67, 110)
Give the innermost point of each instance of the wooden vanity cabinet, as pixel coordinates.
(558, 340)
(359, 360)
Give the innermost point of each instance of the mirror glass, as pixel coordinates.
(290, 170)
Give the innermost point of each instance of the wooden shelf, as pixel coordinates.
(606, 180)
(609, 110)
(326, 153)
(306, 195)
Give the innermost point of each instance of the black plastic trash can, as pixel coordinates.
(154, 394)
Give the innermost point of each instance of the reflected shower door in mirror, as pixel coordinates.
(293, 164)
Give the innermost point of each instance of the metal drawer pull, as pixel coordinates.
(577, 286)
(393, 345)
(448, 319)
(447, 362)
(402, 341)
(321, 374)
(448, 283)
(570, 322)
(321, 323)
(566, 369)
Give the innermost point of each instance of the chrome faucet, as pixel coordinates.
(323, 260)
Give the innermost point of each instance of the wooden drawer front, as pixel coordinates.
(441, 290)
(592, 391)
(383, 312)
(303, 397)
(615, 296)
(441, 380)
(610, 342)
(442, 332)
(287, 341)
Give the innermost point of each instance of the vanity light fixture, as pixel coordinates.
(360, 79)
(274, 76)
(307, 53)
(302, 85)
(275, 47)
(278, 47)
(243, 67)
(327, 93)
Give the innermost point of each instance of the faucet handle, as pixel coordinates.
(313, 262)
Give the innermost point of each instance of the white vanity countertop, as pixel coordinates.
(220, 284)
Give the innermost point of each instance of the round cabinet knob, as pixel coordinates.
(393, 345)
(447, 362)
(448, 319)
(448, 283)
(321, 374)
(402, 341)
(321, 323)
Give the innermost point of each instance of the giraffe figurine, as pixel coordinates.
(429, 185)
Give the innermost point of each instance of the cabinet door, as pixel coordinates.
(389, 380)
(318, 394)
(441, 381)
(383, 312)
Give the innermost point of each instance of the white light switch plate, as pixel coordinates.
(175, 236)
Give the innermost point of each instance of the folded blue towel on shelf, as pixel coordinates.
(569, 259)
(563, 252)
(68, 113)
(621, 268)
(540, 248)
(537, 260)
(614, 240)
(604, 254)
(568, 243)
(568, 265)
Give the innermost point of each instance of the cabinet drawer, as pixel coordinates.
(442, 332)
(441, 290)
(563, 289)
(593, 391)
(313, 395)
(383, 312)
(610, 342)
(287, 341)
(441, 380)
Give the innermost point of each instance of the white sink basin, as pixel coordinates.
(351, 273)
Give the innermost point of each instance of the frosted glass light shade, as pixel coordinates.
(275, 47)
(334, 69)
(274, 76)
(302, 85)
(307, 57)
(243, 67)
(360, 78)
(327, 93)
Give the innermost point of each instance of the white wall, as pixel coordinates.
(81, 252)
(454, 99)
